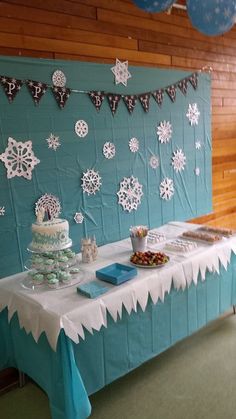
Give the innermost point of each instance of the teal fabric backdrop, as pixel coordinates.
(59, 172)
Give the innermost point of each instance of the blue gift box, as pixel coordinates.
(116, 273)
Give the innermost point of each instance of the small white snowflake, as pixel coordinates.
(164, 131)
(59, 78)
(197, 171)
(198, 145)
(130, 193)
(109, 150)
(154, 162)
(91, 182)
(178, 160)
(2, 211)
(166, 189)
(121, 72)
(193, 114)
(78, 217)
(81, 128)
(53, 142)
(134, 145)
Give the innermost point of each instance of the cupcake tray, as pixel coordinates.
(29, 284)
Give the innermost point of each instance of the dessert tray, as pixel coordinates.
(202, 237)
(30, 284)
(149, 259)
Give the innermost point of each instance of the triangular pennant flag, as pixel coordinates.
(11, 87)
(130, 101)
(97, 98)
(61, 95)
(158, 96)
(194, 80)
(171, 91)
(144, 100)
(183, 86)
(37, 90)
(113, 100)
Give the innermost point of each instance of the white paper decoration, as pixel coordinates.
(134, 145)
(154, 162)
(193, 114)
(59, 78)
(198, 145)
(164, 132)
(166, 189)
(81, 128)
(121, 72)
(50, 204)
(53, 142)
(19, 159)
(91, 182)
(130, 193)
(109, 150)
(197, 171)
(2, 211)
(78, 217)
(178, 160)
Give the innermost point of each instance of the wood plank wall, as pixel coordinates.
(101, 30)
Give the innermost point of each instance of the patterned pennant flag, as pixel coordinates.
(183, 86)
(158, 96)
(194, 80)
(130, 101)
(37, 90)
(61, 95)
(11, 87)
(97, 98)
(144, 100)
(113, 100)
(171, 91)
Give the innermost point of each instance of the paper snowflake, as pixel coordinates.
(130, 193)
(164, 131)
(53, 142)
(198, 145)
(121, 72)
(167, 189)
(91, 182)
(109, 150)
(2, 211)
(50, 204)
(197, 171)
(59, 78)
(81, 128)
(134, 145)
(78, 217)
(178, 160)
(154, 162)
(19, 159)
(193, 114)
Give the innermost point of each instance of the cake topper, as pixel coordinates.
(50, 204)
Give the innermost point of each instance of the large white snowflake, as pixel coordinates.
(91, 182)
(154, 162)
(134, 145)
(53, 142)
(178, 160)
(50, 205)
(2, 211)
(19, 159)
(81, 128)
(164, 131)
(121, 72)
(166, 189)
(130, 193)
(78, 217)
(109, 150)
(193, 114)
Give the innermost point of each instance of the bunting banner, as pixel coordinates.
(194, 80)
(37, 90)
(183, 86)
(158, 96)
(130, 101)
(171, 91)
(61, 95)
(113, 101)
(144, 100)
(11, 87)
(96, 98)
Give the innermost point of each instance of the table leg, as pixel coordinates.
(234, 308)
(21, 379)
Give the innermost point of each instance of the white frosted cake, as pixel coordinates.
(50, 235)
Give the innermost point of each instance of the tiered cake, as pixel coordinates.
(50, 235)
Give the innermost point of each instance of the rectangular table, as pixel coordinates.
(124, 328)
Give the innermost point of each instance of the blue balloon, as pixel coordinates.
(212, 17)
(154, 5)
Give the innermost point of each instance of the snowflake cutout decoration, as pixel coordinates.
(166, 189)
(121, 72)
(19, 159)
(53, 142)
(154, 162)
(130, 193)
(50, 204)
(197, 171)
(134, 145)
(164, 132)
(81, 128)
(91, 182)
(59, 78)
(178, 160)
(109, 150)
(198, 145)
(193, 114)
(2, 211)
(78, 217)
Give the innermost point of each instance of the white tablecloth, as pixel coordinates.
(49, 311)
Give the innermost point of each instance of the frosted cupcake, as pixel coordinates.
(74, 271)
(48, 264)
(65, 278)
(52, 280)
(63, 261)
(37, 279)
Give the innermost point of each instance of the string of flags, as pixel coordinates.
(62, 93)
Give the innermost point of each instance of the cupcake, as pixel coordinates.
(65, 277)
(53, 281)
(63, 260)
(48, 264)
(74, 270)
(38, 279)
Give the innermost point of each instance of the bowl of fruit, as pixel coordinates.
(149, 259)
